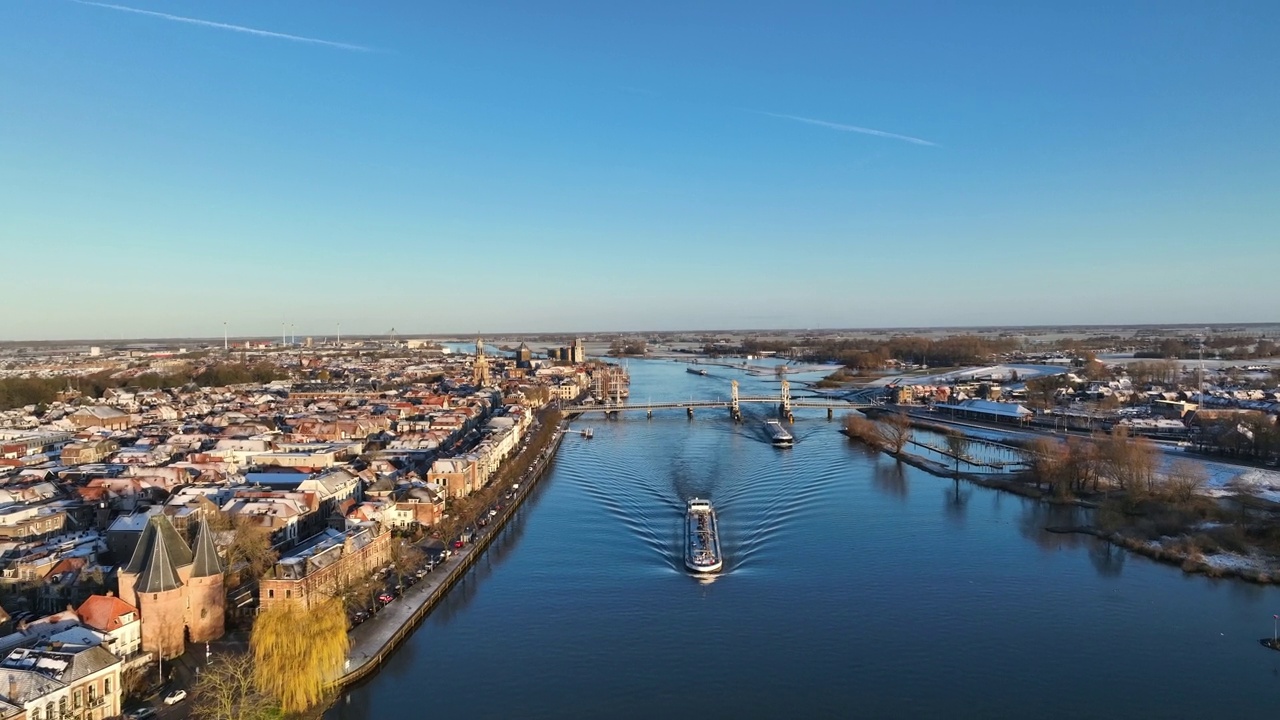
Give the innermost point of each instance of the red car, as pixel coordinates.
(385, 598)
(458, 543)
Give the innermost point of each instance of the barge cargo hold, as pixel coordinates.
(702, 538)
(778, 435)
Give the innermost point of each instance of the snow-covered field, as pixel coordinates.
(1004, 372)
(1230, 479)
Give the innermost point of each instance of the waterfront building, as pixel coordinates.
(324, 565)
(987, 411)
(457, 476)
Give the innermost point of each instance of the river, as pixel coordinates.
(853, 587)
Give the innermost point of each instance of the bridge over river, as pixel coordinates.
(783, 401)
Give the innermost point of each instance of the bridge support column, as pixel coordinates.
(735, 412)
(690, 411)
(649, 414)
(831, 413)
(784, 407)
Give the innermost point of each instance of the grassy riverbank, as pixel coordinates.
(1161, 514)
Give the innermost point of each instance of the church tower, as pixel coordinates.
(480, 371)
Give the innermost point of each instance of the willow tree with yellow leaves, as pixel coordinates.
(298, 652)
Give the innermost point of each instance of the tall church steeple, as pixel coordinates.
(480, 371)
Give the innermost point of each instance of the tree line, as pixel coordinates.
(23, 391)
(1114, 462)
(1225, 347)
(871, 354)
(1252, 436)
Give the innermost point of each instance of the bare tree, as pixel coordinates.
(406, 558)
(1083, 465)
(958, 445)
(1184, 480)
(895, 431)
(1042, 392)
(226, 690)
(1128, 462)
(250, 554)
(858, 427)
(1057, 465)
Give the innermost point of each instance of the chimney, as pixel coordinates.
(13, 687)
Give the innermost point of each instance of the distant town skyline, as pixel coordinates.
(171, 166)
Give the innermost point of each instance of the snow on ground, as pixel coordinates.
(1231, 479)
(1005, 372)
(1235, 561)
(1224, 560)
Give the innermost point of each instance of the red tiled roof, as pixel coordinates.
(103, 612)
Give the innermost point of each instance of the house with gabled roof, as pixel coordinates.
(119, 621)
(56, 681)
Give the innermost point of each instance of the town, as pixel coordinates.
(164, 505)
(156, 500)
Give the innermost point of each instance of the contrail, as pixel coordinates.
(225, 26)
(848, 128)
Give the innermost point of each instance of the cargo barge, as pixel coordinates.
(702, 538)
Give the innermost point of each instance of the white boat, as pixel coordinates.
(778, 435)
(702, 538)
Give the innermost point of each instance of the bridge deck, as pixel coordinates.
(680, 405)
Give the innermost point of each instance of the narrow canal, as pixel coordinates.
(854, 586)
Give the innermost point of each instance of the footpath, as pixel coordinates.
(376, 638)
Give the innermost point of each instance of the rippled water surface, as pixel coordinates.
(853, 587)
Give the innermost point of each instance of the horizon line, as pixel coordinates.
(473, 334)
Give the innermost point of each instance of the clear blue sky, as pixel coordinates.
(477, 166)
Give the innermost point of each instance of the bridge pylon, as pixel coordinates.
(784, 407)
(735, 411)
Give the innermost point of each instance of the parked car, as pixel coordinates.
(458, 543)
(385, 598)
(175, 697)
(492, 512)
(145, 713)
